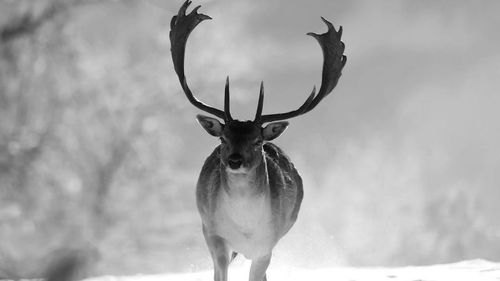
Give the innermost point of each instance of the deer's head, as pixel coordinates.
(241, 141)
(241, 149)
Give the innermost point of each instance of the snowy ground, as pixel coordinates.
(473, 270)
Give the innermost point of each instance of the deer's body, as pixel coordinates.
(251, 212)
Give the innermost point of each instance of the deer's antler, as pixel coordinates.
(181, 26)
(333, 62)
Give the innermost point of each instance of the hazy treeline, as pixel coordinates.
(87, 144)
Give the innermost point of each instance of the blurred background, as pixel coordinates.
(100, 150)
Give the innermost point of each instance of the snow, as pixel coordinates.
(472, 270)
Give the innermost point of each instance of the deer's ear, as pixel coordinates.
(211, 125)
(274, 130)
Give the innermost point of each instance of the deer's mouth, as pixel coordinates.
(238, 170)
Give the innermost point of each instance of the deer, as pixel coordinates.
(249, 193)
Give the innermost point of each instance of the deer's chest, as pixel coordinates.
(245, 222)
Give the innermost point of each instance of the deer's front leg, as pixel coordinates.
(259, 267)
(220, 254)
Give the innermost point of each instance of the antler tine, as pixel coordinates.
(181, 26)
(260, 104)
(334, 61)
(227, 113)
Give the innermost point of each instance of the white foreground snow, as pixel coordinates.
(473, 270)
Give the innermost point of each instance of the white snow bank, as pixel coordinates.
(473, 270)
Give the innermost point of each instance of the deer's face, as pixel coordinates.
(241, 141)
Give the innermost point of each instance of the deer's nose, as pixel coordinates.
(235, 160)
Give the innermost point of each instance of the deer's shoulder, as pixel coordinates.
(209, 180)
(280, 163)
(285, 184)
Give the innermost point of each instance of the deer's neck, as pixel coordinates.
(255, 182)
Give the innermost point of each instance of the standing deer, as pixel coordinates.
(249, 193)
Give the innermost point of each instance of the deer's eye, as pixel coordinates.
(222, 140)
(258, 143)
